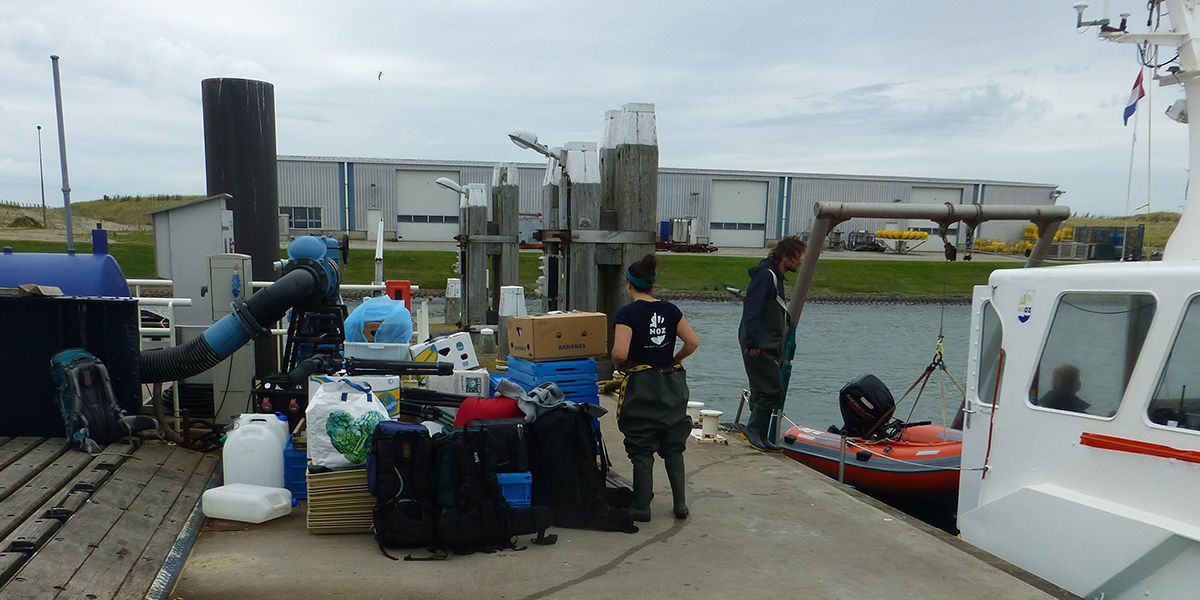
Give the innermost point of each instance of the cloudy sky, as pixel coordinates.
(1000, 90)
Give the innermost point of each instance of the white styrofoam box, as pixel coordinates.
(473, 382)
(374, 351)
(445, 384)
(385, 387)
(512, 301)
(456, 349)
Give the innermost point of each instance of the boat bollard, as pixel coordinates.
(693, 411)
(842, 461)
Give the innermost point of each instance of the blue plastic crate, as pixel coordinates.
(516, 488)
(295, 470)
(549, 369)
(570, 391)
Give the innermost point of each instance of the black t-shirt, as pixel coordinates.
(653, 325)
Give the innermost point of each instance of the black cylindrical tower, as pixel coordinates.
(239, 156)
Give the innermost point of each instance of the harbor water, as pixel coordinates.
(835, 344)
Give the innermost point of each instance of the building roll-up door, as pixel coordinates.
(738, 214)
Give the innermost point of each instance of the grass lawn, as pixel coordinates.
(678, 273)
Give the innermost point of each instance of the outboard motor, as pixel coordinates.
(867, 406)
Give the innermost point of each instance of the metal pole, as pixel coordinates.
(42, 175)
(379, 253)
(62, 156)
(842, 462)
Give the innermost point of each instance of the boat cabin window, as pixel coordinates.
(990, 366)
(1172, 405)
(1090, 352)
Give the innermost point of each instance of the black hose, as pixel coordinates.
(269, 305)
(180, 362)
(259, 311)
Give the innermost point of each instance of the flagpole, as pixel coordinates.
(1149, 171)
(1129, 186)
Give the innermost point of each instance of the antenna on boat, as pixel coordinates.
(1182, 69)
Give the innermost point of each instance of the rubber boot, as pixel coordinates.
(675, 473)
(755, 431)
(643, 487)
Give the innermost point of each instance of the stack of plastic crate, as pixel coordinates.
(576, 378)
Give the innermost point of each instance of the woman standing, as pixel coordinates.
(652, 407)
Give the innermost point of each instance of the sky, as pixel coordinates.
(964, 89)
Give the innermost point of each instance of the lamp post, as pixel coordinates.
(42, 175)
(62, 155)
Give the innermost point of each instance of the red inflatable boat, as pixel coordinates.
(923, 462)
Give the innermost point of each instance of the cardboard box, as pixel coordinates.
(472, 383)
(561, 335)
(456, 349)
(467, 382)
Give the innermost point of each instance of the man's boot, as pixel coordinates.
(755, 431)
(643, 487)
(675, 473)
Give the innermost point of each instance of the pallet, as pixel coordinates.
(77, 526)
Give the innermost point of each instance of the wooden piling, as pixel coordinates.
(506, 206)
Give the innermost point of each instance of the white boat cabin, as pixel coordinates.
(1084, 405)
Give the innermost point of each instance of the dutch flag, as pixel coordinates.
(1136, 94)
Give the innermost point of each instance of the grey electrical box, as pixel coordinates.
(233, 379)
(184, 236)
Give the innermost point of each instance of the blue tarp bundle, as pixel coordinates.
(395, 321)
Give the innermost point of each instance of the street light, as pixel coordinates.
(529, 141)
(42, 174)
(451, 185)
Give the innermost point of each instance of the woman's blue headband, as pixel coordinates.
(644, 284)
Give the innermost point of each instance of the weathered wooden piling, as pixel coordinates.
(506, 221)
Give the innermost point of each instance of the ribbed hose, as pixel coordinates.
(230, 333)
(180, 362)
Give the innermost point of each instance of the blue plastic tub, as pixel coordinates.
(516, 488)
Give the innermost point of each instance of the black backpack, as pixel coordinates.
(91, 416)
(399, 475)
(569, 465)
(474, 516)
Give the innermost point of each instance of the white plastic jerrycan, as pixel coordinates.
(254, 451)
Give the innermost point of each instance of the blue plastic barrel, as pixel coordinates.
(75, 274)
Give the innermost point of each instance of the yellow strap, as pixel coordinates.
(621, 394)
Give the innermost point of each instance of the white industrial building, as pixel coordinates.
(730, 208)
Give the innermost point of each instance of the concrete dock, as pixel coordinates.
(761, 525)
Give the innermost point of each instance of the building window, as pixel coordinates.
(302, 217)
(1093, 344)
(427, 219)
(758, 226)
(1171, 405)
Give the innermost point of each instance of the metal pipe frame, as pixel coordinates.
(830, 214)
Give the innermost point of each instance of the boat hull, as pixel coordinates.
(924, 462)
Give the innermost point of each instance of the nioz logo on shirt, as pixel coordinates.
(658, 333)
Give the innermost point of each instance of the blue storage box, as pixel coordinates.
(552, 368)
(516, 488)
(295, 470)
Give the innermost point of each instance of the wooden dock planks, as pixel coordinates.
(96, 528)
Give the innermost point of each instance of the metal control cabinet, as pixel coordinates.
(233, 379)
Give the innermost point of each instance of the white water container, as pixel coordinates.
(247, 503)
(277, 426)
(254, 453)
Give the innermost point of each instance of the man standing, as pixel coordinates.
(763, 334)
